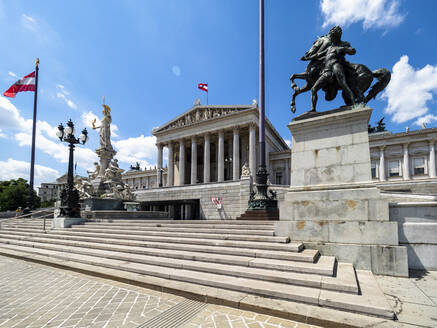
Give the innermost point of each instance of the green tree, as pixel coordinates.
(14, 193)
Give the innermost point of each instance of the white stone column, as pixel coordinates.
(181, 162)
(406, 161)
(236, 155)
(432, 172)
(381, 164)
(287, 173)
(193, 160)
(252, 150)
(221, 156)
(229, 163)
(207, 159)
(170, 172)
(159, 168)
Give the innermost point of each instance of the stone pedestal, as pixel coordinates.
(332, 202)
(132, 206)
(105, 155)
(65, 222)
(100, 204)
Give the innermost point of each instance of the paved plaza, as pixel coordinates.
(35, 296)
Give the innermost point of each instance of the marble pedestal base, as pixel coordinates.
(332, 203)
(65, 222)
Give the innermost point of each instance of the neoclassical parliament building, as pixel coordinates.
(209, 145)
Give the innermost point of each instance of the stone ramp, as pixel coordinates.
(244, 266)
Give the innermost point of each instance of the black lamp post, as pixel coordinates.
(263, 200)
(69, 195)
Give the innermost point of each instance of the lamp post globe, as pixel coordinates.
(69, 195)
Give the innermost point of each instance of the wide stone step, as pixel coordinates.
(225, 265)
(229, 222)
(371, 301)
(294, 250)
(182, 225)
(184, 230)
(287, 247)
(324, 265)
(186, 234)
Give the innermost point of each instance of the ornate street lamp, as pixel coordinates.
(69, 195)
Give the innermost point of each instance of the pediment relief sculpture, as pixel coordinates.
(199, 115)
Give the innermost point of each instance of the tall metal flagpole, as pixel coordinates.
(30, 202)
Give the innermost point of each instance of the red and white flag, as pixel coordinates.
(26, 83)
(203, 86)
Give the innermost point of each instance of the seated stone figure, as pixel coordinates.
(94, 174)
(113, 172)
(116, 194)
(127, 193)
(84, 188)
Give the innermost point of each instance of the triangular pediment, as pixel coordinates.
(198, 114)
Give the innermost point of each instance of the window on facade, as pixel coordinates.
(419, 165)
(278, 178)
(373, 169)
(393, 168)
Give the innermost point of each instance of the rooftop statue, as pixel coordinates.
(329, 70)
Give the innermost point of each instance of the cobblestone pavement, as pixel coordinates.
(37, 296)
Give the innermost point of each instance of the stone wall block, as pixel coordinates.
(371, 232)
(310, 230)
(358, 255)
(378, 210)
(330, 210)
(418, 233)
(328, 175)
(329, 138)
(389, 260)
(422, 256)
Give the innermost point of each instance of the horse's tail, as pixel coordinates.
(383, 76)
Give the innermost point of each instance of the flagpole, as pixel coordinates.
(30, 202)
(207, 92)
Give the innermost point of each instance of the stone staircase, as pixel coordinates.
(234, 261)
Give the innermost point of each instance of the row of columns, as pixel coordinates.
(406, 162)
(207, 157)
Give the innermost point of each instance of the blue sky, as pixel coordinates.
(147, 57)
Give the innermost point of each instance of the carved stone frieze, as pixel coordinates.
(198, 115)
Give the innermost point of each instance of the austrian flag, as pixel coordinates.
(26, 83)
(203, 86)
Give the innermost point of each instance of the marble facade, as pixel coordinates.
(211, 144)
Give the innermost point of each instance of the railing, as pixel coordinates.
(23, 216)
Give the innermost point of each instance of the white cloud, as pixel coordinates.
(64, 91)
(288, 142)
(373, 13)
(2, 135)
(410, 90)
(10, 119)
(176, 70)
(427, 119)
(114, 130)
(46, 139)
(88, 117)
(13, 169)
(29, 23)
(141, 149)
(69, 103)
(12, 74)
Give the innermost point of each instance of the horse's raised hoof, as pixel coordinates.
(293, 108)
